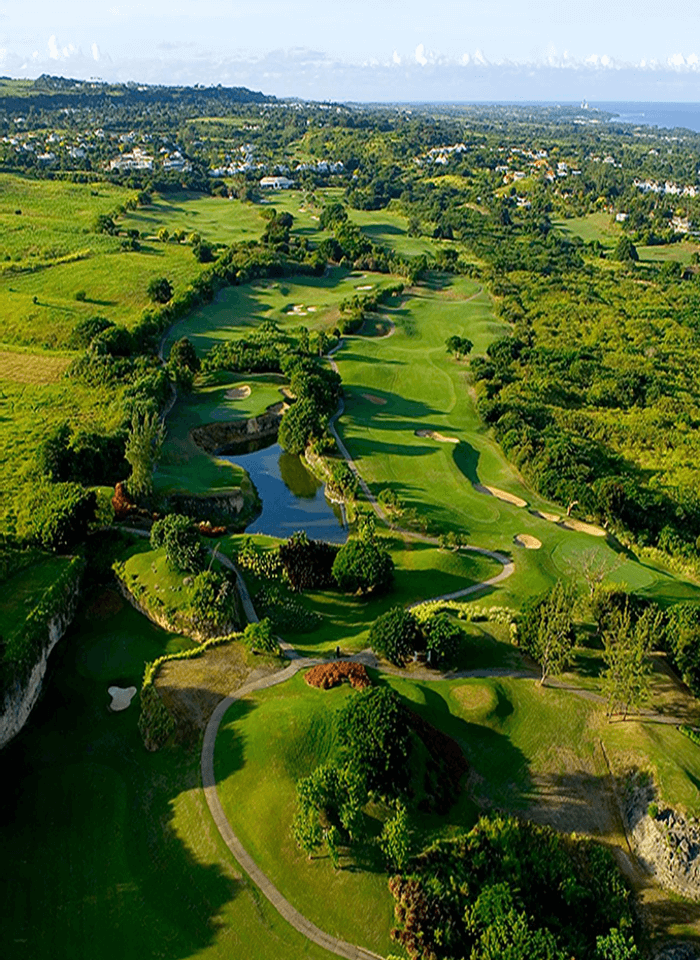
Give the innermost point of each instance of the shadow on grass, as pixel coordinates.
(466, 459)
(83, 795)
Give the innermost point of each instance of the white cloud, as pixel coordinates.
(420, 55)
(396, 58)
(677, 60)
(53, 48)
(465, 59)
(479, 58)
(95, 52)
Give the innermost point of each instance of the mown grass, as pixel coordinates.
(217, 220)
(20, 594)
(128, 863)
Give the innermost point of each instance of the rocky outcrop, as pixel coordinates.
(20, 698)
(222, 507)
(217, 438)
(666, 842)
(176, 621)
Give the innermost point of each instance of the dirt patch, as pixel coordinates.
(238, 393)
(500, 494)
(475, 700)
(580, 527)
(327, 675)
(191, 689)
(376, 400)
(106, 604)
(121, 698)
(525, 540)
(434, 435)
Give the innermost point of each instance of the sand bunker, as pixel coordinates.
(580, 527)
(500, 494)
(434, 435)
(238, 393)
(552, 517)
(121, 697)
(525, 540)
(366, 286)
(298, 310)
(373, 399)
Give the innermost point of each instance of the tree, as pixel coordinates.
(180, 541)
(213, 598)
(546, 629)
(626, 681)
(373, 730)
(362, 566)
(626, 251)
(163, 234)
(395, 635)
(616, 946)
(203, 251)
(184, 362)
(143, 446)
(160, 290)
(395, 839)
(459, 346)
(301, 422)
(442, 637)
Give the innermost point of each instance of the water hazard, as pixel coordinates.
(292, 498)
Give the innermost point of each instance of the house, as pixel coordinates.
(276, 183)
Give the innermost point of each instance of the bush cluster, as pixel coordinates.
(399, 633)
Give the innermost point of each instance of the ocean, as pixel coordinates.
(667, 115)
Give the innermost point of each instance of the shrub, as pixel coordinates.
(327, 675)
(362, 566)
(84, 331)
(177, 536)
(300, 423)
(395, 635)
(442, 637)
(259, 637)
(55, 516)
(160, 290)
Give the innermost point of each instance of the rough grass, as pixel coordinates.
(31, 367)
(20, 594)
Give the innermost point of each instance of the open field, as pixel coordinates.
(602, 227)
(217, 220)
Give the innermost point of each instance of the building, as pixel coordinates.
(276, 183)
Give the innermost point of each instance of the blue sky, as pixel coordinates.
(369, 49)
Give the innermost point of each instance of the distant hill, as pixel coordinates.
(55, 93)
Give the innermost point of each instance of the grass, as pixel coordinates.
(21, 594)
(31, 367)
(127, 864)
(421, 571)
(265, 744)
(216, 219)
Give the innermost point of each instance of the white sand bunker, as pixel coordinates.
(500, 495)
(525, 540)
(298, 310)
(372, 399)
(366, 286)
(434, 435)
(121, 697)
(580, 527)
(238, 393)
(552, 517)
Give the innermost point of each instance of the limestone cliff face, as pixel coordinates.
(222, 437)
(20, 699)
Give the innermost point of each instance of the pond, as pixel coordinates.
(292, 497)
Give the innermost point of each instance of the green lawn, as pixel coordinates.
(216, 219)
(23, 592)
(109, 851)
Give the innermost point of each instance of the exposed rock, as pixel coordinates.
(217, 438)
(667, 844)
(21, 698)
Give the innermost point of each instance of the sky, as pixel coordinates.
(369, 50)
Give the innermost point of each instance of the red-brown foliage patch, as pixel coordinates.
(123, 506)
(327, 675)
(207, 530)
